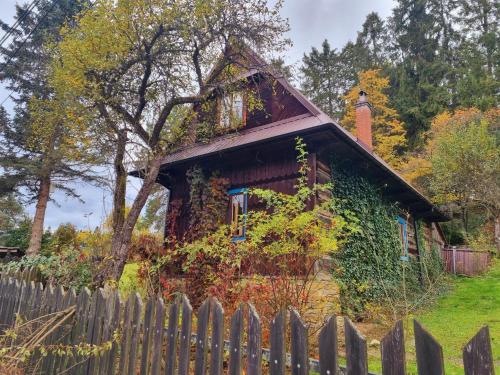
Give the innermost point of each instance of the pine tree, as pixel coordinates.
(374, 39)
(26, 162)
(388, 132)
(418, 84)
(322, 79)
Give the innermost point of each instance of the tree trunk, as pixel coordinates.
(497, 234)
(41, 206)
(121, 239)
(120, 183)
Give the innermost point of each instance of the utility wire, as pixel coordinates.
(26, 13)
(30, 33)
(24, 42)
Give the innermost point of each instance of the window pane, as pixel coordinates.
(231, 110)
(238, 107)
(237, 212)
(225, 118)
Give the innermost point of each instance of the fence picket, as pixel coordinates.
(356, 350)
(299, 344)
(477, 355)
(235, 336)
(146, 336)
(217, 345)
(3, 299)
(63, 334)
(172, 332)
(392, 350)
(114, 325)
(126, 334)
(110, 312)
(328, 352)
(185, 340)
(254, 344)
(158, 337)
(277, 354)
(96, 332)
(36, 301)
(135, 332)
(429, 352)
(200, 361)
(78, 332)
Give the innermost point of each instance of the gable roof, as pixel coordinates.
(313, 121)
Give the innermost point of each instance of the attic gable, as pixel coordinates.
(245, 83)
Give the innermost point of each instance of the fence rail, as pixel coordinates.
(154, 338)
(465, 261)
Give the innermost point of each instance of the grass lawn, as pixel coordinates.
(128, 282)
(456, 317)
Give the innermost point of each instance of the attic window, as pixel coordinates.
(232, 110)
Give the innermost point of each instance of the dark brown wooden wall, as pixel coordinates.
(277, 171)
(278, 104)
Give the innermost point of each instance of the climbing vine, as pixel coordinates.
(368, 268)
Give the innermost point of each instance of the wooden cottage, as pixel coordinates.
(256, 149)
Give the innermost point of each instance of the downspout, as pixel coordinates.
(417, 244)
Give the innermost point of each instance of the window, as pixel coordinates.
(232, 111)
(403, 235)
(238, 211)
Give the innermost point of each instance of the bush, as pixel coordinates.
(20, 236)
(283, 242)
(70, 268)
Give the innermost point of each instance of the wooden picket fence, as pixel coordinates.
(462, 260)
(146, 345)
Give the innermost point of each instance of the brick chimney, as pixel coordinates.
(364, 120)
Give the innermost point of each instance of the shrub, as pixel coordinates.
(20, 236)
(283, 242)
(70, 268)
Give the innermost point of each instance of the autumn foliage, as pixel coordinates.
(388, 131)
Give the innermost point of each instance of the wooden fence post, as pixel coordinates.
(172, 332)
(254, 345)
(277, 341)
(328, 357)
(356, 350)
(217, 345)
(158, 337)
(200, 361)
(126, 334)
(135, 333)
(94, 331)
(111, 323)
(146, 336)
(392, 350)
(429, 352)
(299, 345)
(185, 340)
(79, 330)
(235, 336)
(477, 355)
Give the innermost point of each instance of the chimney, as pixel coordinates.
(364, 120)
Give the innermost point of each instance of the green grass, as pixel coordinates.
(456, 317)
(128, 282)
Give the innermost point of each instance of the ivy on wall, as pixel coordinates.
(369, 269)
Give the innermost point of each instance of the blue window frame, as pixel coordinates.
(238, 212)
(403, 235)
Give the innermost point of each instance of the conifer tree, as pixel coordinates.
(35, 161)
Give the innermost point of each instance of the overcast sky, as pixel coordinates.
(311, 22)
